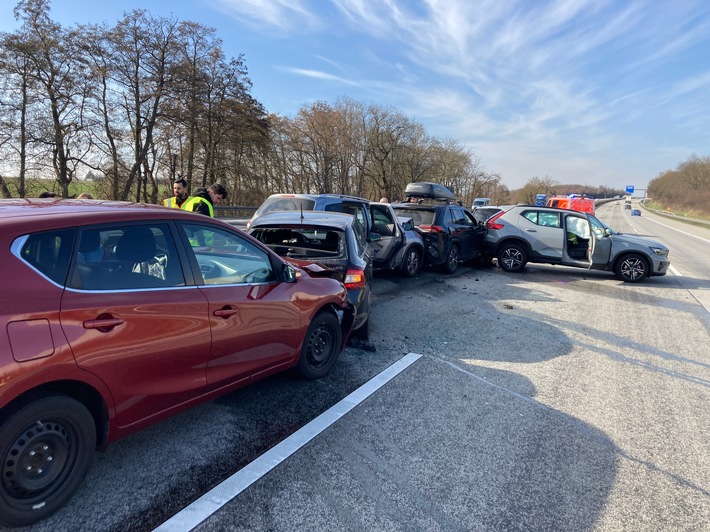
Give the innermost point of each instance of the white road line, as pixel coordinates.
(674, 271)
(191, 516)
(676, 229)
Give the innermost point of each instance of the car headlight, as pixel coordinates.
(663, 252)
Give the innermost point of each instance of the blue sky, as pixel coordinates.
(584, 91)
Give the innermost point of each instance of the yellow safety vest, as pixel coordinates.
(170, 202)
(190, 204)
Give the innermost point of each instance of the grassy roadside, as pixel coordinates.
(678, 212)
(699, 219)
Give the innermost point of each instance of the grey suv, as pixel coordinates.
(394, 244)
(527, 233)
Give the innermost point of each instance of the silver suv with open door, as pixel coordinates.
(528, 233)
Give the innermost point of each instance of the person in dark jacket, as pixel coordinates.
(204, 200)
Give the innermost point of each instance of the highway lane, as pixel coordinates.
(689, 245)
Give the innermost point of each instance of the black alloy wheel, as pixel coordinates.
(412, 262)
(452, 260)
(512, 258)
(632, 268)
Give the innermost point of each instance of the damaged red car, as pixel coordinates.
(114, 316)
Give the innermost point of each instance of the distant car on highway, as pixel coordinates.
(527, 233)
(635, 212)
(480, 202)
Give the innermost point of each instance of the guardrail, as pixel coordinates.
(234, 211)
(685, 219)
(602, 201)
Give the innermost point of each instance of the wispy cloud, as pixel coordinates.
(281, 15)
(551, 79)
(318, 74)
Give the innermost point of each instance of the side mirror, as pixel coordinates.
(407, 226)
(289, 274)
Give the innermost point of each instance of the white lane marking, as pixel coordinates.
(674, 271)
(676, 229)
(191, 516)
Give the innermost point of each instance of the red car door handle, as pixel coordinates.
(225, 312)
(103, 324)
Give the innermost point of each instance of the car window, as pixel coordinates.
(126, 257)
(303, 242)
(458, 216)
(357, 210)
(482, 214)
(578, 226)
(382, 220)
(598, 227)
(549, 219)
(49, 253)
(379, 216)
(360, 236)
(531, 216)
(228, 258)
(418, 216)
(543, 218)
(285, 204)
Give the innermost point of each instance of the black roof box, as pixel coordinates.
(429, 190)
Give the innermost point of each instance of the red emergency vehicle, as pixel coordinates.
(575, 202)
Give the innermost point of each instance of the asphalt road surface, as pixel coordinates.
(554, 399)
(689, 245)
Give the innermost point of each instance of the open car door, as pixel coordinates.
(599, 245)
(385, 224)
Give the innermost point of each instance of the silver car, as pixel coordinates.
(395, 246)
(527, 233)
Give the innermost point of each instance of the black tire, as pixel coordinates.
(512, 257)
(452, 260)
(321, 347)
(46, 447)
(412, 262)
(632, 268)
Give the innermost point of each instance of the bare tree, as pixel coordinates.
(49, 53)
(696, 172)
(536, 185)
(144, 51)
(14, 101)
(108, 134)
(385, 131)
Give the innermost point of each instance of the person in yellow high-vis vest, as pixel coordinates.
(180, 195)
(204, 200)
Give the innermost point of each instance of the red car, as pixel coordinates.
(114, 316)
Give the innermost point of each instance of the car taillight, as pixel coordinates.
(491, 223)
(354, 279)
(432, 228)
